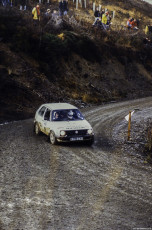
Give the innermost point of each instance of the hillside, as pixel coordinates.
(72, 61)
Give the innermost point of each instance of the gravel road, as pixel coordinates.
(73, 186)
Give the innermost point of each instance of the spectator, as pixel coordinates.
(97, 13)
(105, 20)
(147, 42)
(47, 13)
(97, 16)
(134, 24)
(47, 16)
(102, 12)
(129, 23)
(22, 4)
(5, 3)
(108, 19)
(148, 30)
(65, 7)
(36, 14)
(60, 8)
(55, 14)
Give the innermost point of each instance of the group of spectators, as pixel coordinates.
(102, 19)
(36, 13)
(22, 3)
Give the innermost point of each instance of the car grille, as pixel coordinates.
(82, 132)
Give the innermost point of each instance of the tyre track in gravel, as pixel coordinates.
(74, 186)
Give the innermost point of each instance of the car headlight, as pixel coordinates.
(90, 131)
(62, 133)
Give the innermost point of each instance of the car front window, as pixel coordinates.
(67, 115)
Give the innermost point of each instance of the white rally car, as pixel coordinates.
(62, 122)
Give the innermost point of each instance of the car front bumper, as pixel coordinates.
(75, 138)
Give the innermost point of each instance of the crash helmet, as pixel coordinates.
(70, 114)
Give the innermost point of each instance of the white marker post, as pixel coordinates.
(76, 4)
(128, 118)
(85, 3)
(100, 6)
(94, 6)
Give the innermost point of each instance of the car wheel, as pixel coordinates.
(37, 129)
(53, 138)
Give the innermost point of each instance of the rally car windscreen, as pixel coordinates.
(66, 115)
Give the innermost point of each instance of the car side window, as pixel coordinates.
(41, 111)
(47, 115)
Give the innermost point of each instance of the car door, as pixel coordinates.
(46, 121)
(40, 117)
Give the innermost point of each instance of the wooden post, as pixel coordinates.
(129, 125)
(150, 139)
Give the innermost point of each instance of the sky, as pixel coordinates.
(149, 1)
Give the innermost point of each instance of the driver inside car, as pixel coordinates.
(56, 116)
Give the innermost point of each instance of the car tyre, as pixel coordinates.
(36, 129)
(53, 139)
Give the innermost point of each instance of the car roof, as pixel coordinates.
(54, 106)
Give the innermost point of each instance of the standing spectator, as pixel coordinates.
(102, 12)
(48, 13)
(105, 20)
(97, 13)
(15, 2)
(97, 16)
(60, 8)
(5, 3)
(36, 14)
(108, 19)
(47, 16)
(55, 14)
(65, 7)
(22, 4)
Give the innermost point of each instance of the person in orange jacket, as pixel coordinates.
(129, 22)
(134, 24)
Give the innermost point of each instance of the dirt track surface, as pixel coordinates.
(75, 187)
